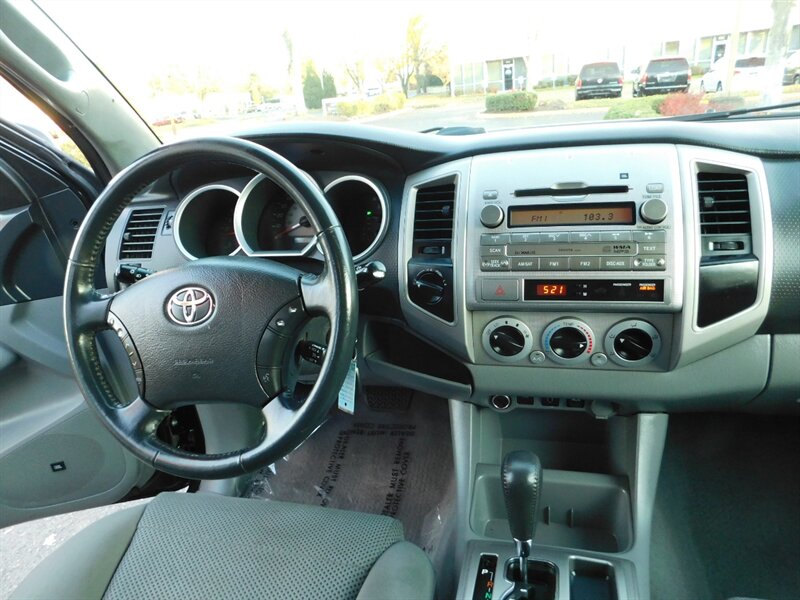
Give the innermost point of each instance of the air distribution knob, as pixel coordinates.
(633, 344)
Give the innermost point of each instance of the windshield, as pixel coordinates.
(196, 68)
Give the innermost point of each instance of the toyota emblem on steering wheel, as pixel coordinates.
(190, 306)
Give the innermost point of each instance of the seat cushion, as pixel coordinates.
(208, 546)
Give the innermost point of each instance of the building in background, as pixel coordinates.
(531, 54)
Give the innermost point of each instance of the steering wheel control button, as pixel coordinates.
(537, 357)
(599, 359)
(568, 341)
(491, 216)
(271, 349)
(288, 318)
(633, 343)
(653, 211)
(190, 306)
(507, 339)
(500, 401)
(270, 380)
(500, 289)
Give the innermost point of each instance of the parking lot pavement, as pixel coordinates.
(23, 546)
(472, 115)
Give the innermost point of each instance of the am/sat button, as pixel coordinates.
(499, 289)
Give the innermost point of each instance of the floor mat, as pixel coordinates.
(395, 461)
(727, 517)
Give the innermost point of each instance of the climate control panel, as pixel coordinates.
(593, 342)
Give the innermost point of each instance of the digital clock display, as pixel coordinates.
(551, 289)
(618, 213)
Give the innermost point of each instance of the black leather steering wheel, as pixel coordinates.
(197, 332)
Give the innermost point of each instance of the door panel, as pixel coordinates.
(55, 456)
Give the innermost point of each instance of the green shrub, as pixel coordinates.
(511, 102)
(657, 101)
(372, 106)
(637, 108)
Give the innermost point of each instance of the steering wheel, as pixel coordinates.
(214, 329)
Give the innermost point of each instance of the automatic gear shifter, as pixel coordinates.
(521, 476)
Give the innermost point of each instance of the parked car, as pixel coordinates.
(791, 69)
(663, 75)
(748, 74)
(599, 80)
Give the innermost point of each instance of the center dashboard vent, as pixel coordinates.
(724, 204)
(140, 233)
(433, 220)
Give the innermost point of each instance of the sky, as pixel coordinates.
(234, 38)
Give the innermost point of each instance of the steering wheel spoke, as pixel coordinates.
(91, 312)
(138, 418)
(319, 294)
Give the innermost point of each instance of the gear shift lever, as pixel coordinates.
(521, 475)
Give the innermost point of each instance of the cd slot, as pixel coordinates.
(577, 191)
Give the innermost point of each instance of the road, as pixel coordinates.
(472, 115)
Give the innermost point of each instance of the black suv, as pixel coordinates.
(596, 80)
(661, 76)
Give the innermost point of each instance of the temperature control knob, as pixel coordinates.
(632, 343)
(568, 341)
(507, 339)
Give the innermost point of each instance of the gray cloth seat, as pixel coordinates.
(206, 546)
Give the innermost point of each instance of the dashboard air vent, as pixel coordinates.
(433, 219)
(140, 233)
(724, 203)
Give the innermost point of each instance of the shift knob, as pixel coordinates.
(521, 475)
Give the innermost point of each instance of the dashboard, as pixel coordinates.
(611, 267)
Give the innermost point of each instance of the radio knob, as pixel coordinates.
(653, 211)
(491, 216)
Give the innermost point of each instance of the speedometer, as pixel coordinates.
(284, 226)
(269, 222)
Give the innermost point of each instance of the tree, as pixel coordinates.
(258, 90)
(355, 71)
(328, 85)
(312, 87)
(418, 58)
(205, 85)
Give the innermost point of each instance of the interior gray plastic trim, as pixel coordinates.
(452, 336)
(697, 342)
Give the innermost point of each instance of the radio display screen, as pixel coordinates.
(618, 213)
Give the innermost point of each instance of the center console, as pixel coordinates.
(581, 288)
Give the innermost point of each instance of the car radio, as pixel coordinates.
(605, 238)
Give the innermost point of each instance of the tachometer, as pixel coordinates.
(204, 222)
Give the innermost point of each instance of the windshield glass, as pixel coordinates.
(197, 68)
